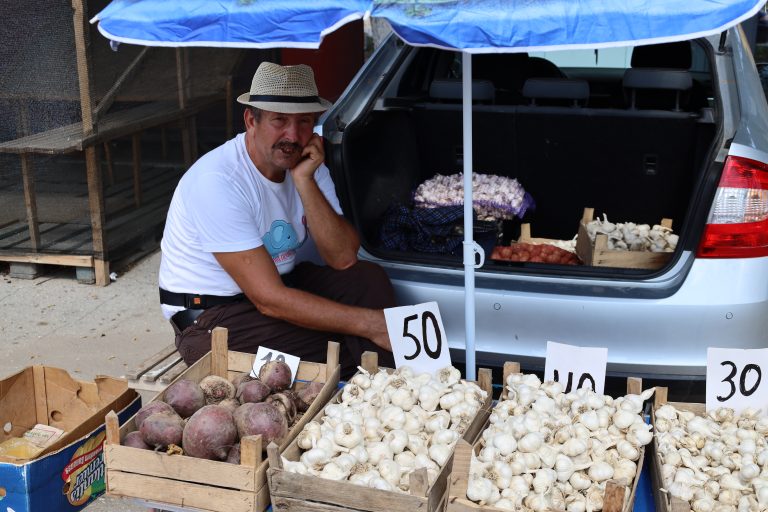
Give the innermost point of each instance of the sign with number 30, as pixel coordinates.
(418, 337)
(735, 378)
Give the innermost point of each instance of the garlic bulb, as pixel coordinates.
(714, 462)
(633, 237)
(558, 449)
(388, 424)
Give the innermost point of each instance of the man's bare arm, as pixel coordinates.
(255, 273)
(335, 238)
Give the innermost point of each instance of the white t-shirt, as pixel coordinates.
(224, 204)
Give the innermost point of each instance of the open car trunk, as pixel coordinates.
(634, 148)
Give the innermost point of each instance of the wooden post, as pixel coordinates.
(112, 427)
(510, 367)
(136, 149)
(331, 359)
(219, 352)
(110, 167)
(459, 477)
(30, 200)
(273, 455)
(634, 385)
(229, 109)
(370, 362)
(82, 53)
(250, 451)
(96, 206)
(660, 397)
(613, 500)
(418, 483)
(186, 136)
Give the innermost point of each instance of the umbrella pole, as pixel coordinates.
(470, 247)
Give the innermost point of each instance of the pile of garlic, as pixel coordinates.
(629, 236)
(387, 425)
(717, 463)
(493, 197)
(545, 449)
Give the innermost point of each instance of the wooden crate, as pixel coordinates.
(526, 238)
(598, 254)
(613, 499)
(292, 492)
(181, 481)
(664, 502)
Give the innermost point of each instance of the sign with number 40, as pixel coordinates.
(418, 337)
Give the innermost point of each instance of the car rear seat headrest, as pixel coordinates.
(451, 89)
(647, 78)
(556, 89)
(665, 55)
(677, 80)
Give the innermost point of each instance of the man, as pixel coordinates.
(248, 224)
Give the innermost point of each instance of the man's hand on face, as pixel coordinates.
(311, 158)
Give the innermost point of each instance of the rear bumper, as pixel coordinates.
(721, 303)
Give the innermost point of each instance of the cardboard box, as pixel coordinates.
(69, 474)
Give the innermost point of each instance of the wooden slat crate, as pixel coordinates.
(664, 502)
(597, 254)
(526, 238)
(292, 492)
(613, 500)
(181, 481)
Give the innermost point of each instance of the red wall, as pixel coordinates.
(340, 56)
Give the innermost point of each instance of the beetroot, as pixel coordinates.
(253, 391)
(240, 378)
(233, 457)
(162, 429)
(151, 408)
(261, 419)
(209, 433)
(134, 440)
(284, 402)
(308, 394)
(185, 396)
(230, 404)
(276, 375)
(216, 389)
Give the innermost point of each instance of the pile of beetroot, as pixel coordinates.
(208, 419)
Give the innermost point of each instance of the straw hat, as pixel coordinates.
(285, 89)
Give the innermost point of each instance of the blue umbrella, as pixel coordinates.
(472, 26)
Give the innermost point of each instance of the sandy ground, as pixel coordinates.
(85, 329)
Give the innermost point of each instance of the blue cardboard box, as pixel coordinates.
(69, 474)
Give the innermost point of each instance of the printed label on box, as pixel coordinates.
(84, 475)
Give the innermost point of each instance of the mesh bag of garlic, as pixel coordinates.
(493, 197)
(386, 425)
(714, 463)
(548, 450)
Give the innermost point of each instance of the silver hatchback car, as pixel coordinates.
(675, 130)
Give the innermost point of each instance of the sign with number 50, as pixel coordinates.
(418, 337)
(735, 378)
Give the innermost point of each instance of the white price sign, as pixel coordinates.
(265, 355)
(735, 378)
(575, 367)
(418, 337)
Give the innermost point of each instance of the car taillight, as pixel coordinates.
(738, 223)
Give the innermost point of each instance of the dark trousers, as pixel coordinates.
(365, 284)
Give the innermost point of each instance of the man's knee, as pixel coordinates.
(372, 284)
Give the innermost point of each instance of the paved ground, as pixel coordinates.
(85, 329)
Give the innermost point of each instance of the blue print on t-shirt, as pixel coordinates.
(281, 237)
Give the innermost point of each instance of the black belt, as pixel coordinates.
(194, 301)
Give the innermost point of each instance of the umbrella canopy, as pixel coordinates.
(472, 26)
